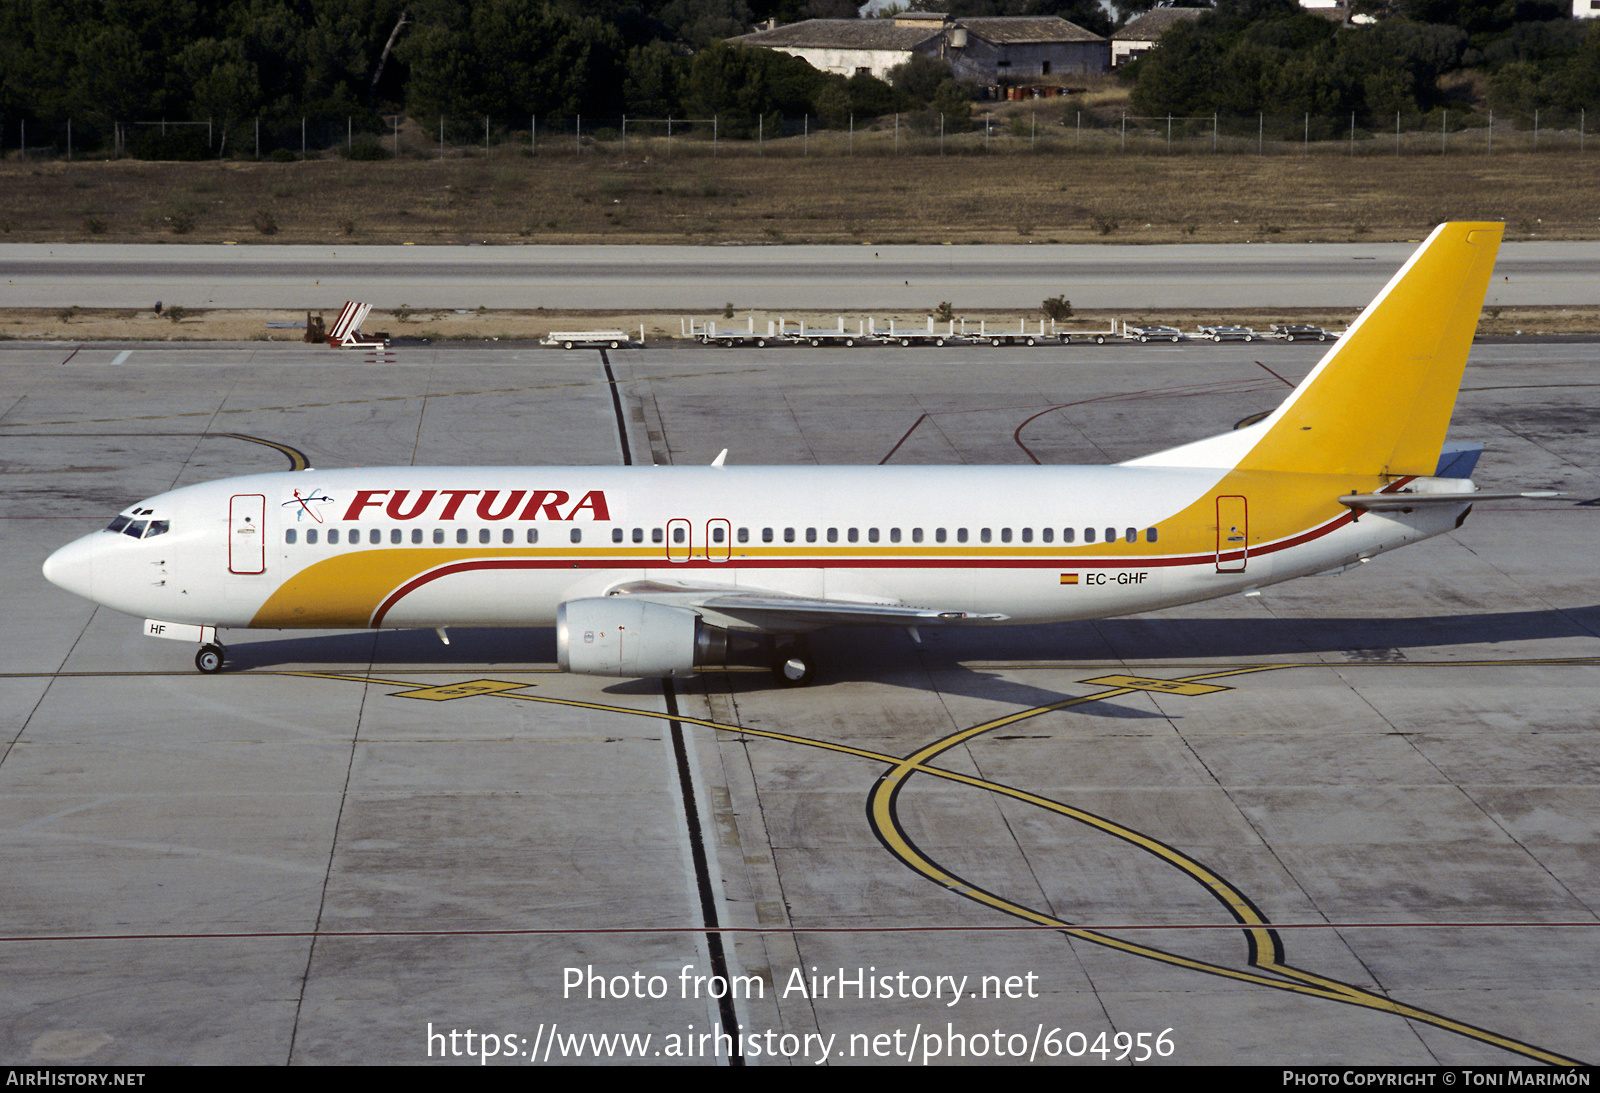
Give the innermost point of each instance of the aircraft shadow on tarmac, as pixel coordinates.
(887, 655)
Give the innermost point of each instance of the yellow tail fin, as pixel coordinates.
(1380, 401)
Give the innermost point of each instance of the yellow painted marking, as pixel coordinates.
(1165, 686)
(1268, 956)
(297, 459)
(1069, 578)
(461, 690)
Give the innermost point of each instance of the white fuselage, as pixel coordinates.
(505, 546)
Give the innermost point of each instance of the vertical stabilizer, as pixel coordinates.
(1380, 401)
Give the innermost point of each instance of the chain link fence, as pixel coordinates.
(1048, 128)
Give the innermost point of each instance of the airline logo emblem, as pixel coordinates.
(309, 504)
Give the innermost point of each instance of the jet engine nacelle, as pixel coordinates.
(618, 636)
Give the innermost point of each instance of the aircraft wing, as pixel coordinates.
(780, 612)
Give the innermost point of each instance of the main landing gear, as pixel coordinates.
(792, 662)
(210, 657)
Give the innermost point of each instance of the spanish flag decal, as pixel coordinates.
(1069, 578)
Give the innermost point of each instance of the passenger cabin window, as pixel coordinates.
(1149, 535)
(483, 535)
(916, 535)
(290, 535)
(811, 535)
(872, 535)
(1068, 534)
(333, 536)
(657, 536)
(374, 536)
(396, 535)
(938, 535)
(894, 535)
(461, 535)
(744, 535)
(416, 536)
(766, 535)
(533, 535)
(311, 536)
(577, 535)
(508, 536)
(438, 536)
(616, 535)
(718, 534)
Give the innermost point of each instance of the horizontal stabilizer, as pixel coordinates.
(1403, 502)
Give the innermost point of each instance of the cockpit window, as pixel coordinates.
(139, 529)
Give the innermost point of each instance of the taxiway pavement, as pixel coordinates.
(337, 852)
(804, 278)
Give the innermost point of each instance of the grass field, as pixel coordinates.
(1008, 195)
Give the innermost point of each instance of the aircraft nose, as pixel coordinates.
(72, 567)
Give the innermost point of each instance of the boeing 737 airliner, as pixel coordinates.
(646, 571)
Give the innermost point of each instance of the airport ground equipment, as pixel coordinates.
(346, 332)
(1151, 333)
(1229, 333)
(1300, 332)
(591, 339)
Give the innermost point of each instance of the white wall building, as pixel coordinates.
(1141, 34)
(849, 46)
(1010, 49)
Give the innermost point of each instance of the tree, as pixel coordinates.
(225, 85)
(504, 57)
(919, 78)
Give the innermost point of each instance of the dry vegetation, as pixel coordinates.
(1008, 195)
(1057, 194)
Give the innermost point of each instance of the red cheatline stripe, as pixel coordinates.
(475, 564)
